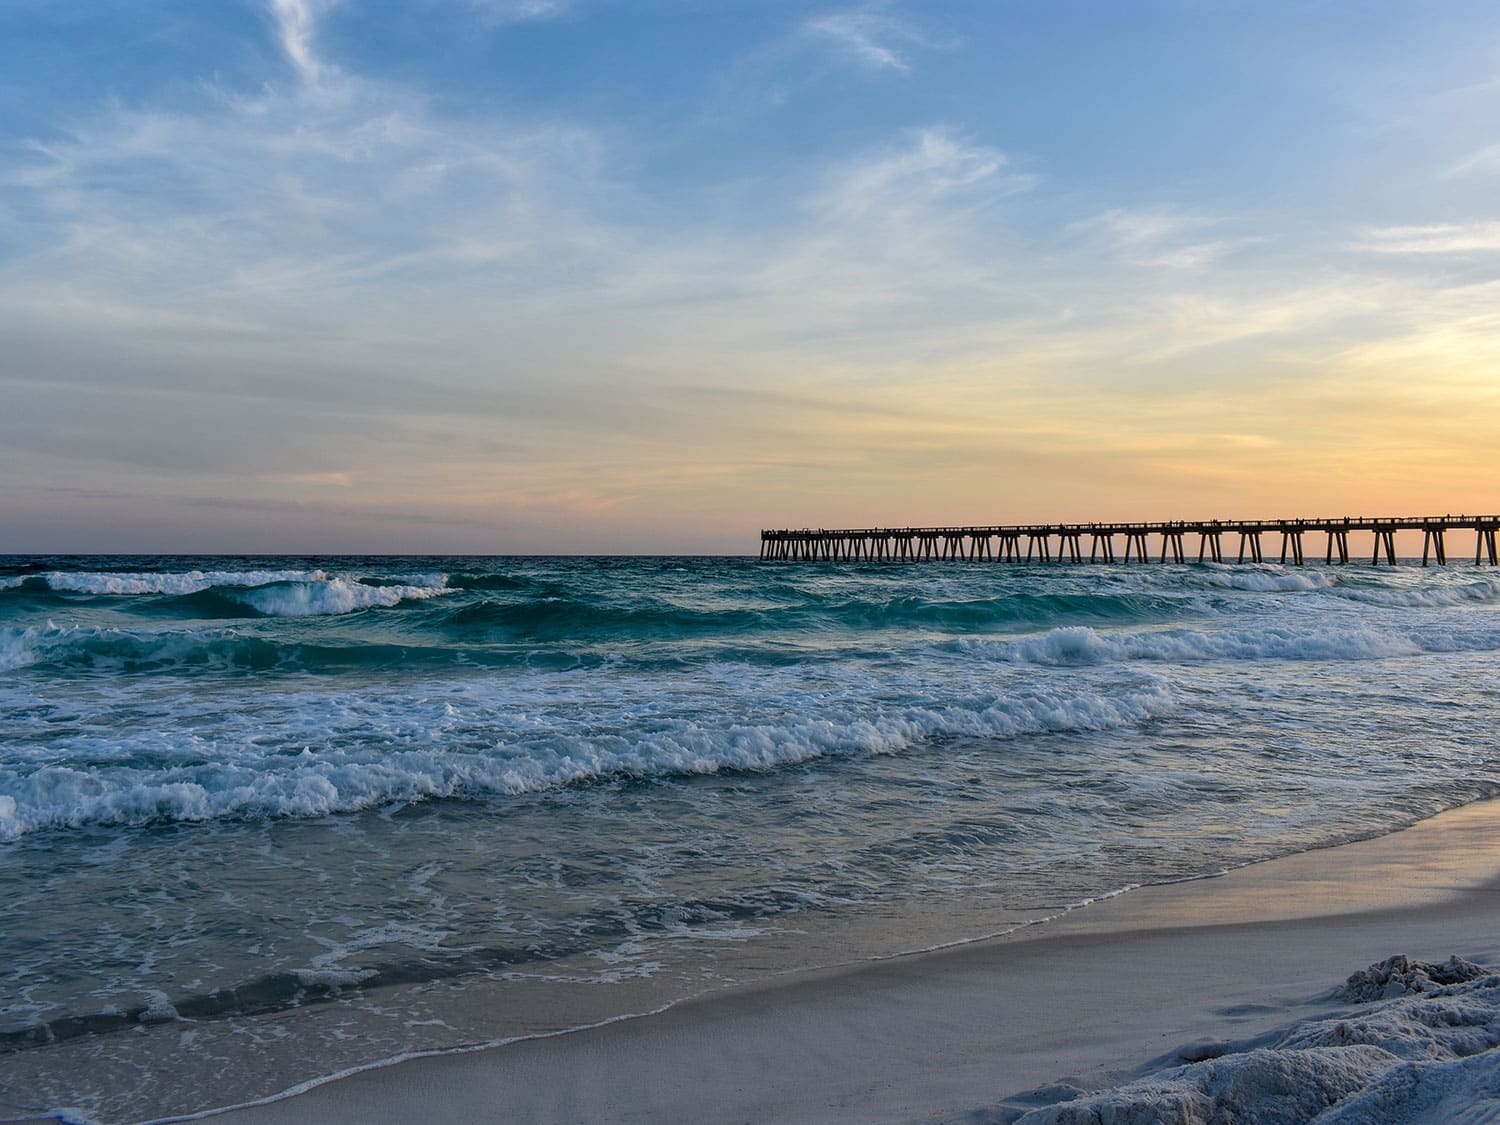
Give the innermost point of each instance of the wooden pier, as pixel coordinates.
(1064, 542)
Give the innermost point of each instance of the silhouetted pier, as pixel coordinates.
(1064, 542)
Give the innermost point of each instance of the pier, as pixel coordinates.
(1173, 539)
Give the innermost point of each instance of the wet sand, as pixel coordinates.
(1093, 999)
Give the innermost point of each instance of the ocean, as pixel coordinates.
(264, 820)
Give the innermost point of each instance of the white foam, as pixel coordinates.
(189, 582)
(435, 581)
(312, 753)
(1267, 579)
(334, 979)
(11, 583)
(158, 1009)
(329, 596)
(108, 646)
(18, 647)
(1481, 591)
(276, 593)
(1080, 644)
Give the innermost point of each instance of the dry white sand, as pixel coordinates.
(1103, 996)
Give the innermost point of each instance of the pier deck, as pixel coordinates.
(1064, 542)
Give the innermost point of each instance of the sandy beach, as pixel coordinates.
(1095, 999)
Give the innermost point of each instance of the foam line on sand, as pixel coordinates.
(980, 1033)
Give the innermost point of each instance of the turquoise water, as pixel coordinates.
(344, 797)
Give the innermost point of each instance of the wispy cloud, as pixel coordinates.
(1141, 228)
(906, 240)
(296, 26)
(1164, 237)
(1433, 238)
(931, 165)
(867, 35)
(315, 480)
(319, 188)
(497, 12)
(1486, 159)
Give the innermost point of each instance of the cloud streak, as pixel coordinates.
(1434, 238)
(868, 36)
(495, 13)
(1164, 237)
(296, 22)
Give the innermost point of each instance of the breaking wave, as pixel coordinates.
(331, 596)
(234, 649)
(1082, 645)
(1482, 591)
(136, 585)
(245, 593)
(1256, 579)
(474, 745)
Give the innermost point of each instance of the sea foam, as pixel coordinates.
(294, 757)
(1078, 644)
(1264, 581)
(1483, 591)
(274, 593)
(190, 582)
(18, 647)
(330, 596)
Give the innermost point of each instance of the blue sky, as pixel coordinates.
(538, 275)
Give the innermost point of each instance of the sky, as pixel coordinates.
(577, 276)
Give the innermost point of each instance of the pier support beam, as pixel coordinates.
(1213, 541)
(1432, 543)
(1338, 540)
(1250, 539)
(1385, 537)
(1172, 541)
(1135, 542)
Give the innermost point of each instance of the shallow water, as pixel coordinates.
(350, 807)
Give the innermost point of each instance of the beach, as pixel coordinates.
(961, 1034)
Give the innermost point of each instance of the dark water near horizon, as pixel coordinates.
(344, 808)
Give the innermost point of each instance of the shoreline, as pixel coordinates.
(1093, 998)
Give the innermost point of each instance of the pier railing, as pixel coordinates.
(1064, 542)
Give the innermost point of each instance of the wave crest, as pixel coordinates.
(471, 746)
(1081, 645)
(122, 584)
(330, 596)
(270, 593)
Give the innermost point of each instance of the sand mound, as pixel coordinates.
(1401, 976)
(1423, 1052)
